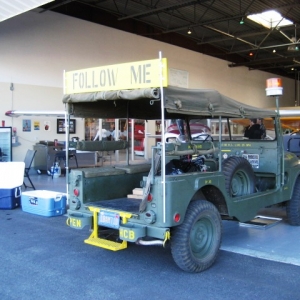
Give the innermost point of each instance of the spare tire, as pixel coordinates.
(239, 176)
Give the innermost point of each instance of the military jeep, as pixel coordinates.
(193, 181)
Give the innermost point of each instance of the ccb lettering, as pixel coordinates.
(127, 234)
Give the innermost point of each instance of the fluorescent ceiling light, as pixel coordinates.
(11, 8)
(270, 19)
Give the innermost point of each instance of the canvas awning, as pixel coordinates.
(145, 104)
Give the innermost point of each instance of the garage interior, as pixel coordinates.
(220, 29)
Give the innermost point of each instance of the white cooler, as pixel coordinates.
(44, 203)
(11, 180)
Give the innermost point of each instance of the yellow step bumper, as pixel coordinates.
(94, 238)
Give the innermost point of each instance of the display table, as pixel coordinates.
(45, 156)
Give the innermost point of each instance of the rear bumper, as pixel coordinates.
(128, 231)
(79, 220)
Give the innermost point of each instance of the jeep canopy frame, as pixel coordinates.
(145, 104)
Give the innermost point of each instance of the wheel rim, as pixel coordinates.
(240, 184)
(201, 238)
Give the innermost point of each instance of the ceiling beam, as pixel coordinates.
(202, 24)
(240, 35)
(255, 48)
(163, 8)
(265, 61)
(55, 6)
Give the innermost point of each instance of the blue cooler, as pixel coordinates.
(10, 198)
(11, 180)
(44, 203)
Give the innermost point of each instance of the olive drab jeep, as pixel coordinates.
(195, 179)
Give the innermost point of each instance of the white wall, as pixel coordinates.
(36, 48)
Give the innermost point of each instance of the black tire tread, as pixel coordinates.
(180, 243)
(293, 206)
(231, 165)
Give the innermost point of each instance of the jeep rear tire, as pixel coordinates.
(196, 242)
(293, 206)
(239, 176)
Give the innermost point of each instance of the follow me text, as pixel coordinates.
(134, 75)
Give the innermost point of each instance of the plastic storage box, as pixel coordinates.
(44, 203)
(10, 198)
(11, 180)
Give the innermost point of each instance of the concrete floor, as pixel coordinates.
(276, 242)
(279, 242)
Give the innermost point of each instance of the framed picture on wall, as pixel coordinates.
(61, 128)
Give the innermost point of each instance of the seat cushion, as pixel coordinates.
(132, 169)
(100, 172)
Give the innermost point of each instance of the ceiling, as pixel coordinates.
(13, 8)
(214, 24)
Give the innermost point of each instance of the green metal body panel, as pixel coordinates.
(79, 220)
(111, 183)
(96, 184)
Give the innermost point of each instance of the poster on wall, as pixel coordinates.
(47, 125)
(26, 125)
(61, 127)
(36, 125)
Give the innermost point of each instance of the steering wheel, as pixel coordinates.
(203, 137)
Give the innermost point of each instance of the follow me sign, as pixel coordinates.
(142, 74)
